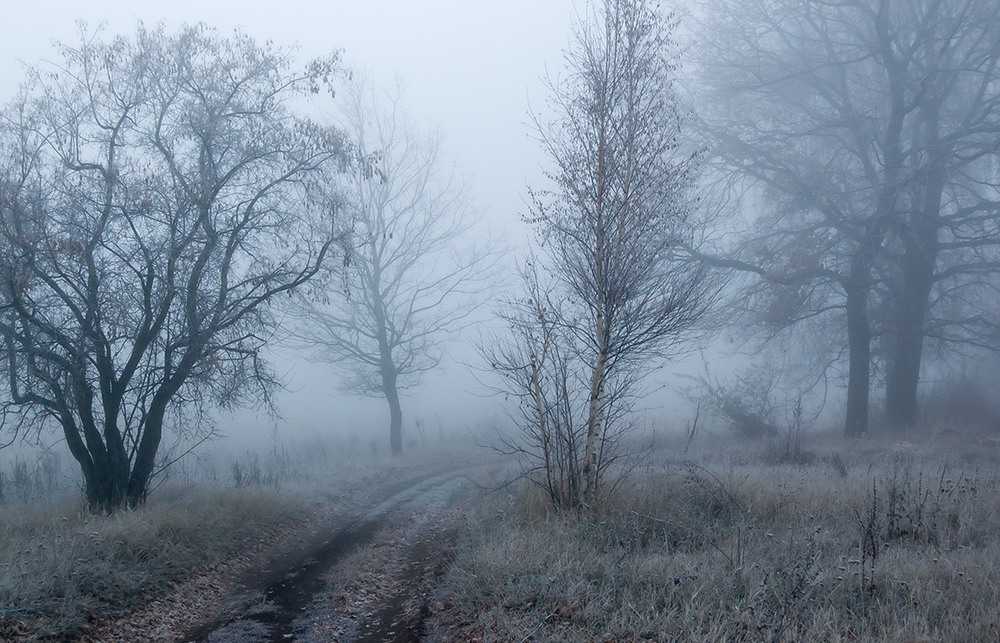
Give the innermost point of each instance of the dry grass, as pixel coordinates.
(865, 542)
(63, 569)
(64, 572)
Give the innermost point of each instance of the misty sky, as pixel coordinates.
(468, 67)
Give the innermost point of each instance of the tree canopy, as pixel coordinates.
(157, 193)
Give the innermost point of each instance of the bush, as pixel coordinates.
(62, 568)
(961, 402)
(745, 403)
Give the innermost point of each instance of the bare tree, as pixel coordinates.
(157, 193)
(617, 209)
(412, 277)
(833, 116)
(943, 259)
(537, 367)
(543, 368)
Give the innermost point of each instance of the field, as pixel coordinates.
(66, 574)
(877, 539)
(846, 541)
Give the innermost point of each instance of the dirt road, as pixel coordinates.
(363, 579)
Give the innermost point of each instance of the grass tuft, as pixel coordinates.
(63, 570)
(836, 548)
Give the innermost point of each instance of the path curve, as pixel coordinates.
(288, 598)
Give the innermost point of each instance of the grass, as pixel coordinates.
(859, 542)
(62, 569)
(737, 541)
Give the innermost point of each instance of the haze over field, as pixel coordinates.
(475, 71)
(468, 68)
(580, 320)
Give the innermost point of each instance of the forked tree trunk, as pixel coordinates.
(104, 491)
(116, 475)
(105, 482)
(110, 485)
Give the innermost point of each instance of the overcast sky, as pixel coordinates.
(468, 66)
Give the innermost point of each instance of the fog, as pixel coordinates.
(475, 71)
(468, 68)
(716, 280)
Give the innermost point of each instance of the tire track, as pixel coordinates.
(274, 597)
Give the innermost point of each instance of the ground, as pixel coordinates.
(886, 539)
(365, 574)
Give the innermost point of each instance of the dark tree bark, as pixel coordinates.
(909, 306)
(395, 412)
(150, 215)
(859, 339)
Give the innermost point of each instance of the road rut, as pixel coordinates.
(298, 596)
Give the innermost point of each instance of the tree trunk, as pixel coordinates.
(109, 488)
(104, 491)
(595, 424)
(859, 346)
(145, 457)
(920, 252)
(903, 372)
(104, 485)
(395, 412)
(387, 367)
(903, 368)
(859, 335)
(391, 392)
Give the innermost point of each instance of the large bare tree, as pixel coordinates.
(157, 192)
(855, 127)
(413, 275)
(617, 207)
(942, 261)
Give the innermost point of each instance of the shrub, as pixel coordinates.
(961, 402)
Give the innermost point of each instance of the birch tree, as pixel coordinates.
(615, 210)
